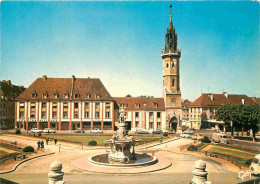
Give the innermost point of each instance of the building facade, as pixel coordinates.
(142, 112)
(171, 79)
(202, 111)
(8, 92)
(65, 104)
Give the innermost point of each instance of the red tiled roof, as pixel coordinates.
(131, 102)
(82, 86)
(220, 99)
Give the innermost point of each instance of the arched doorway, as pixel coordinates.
(173, 123)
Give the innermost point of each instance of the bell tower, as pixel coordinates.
(171, 78)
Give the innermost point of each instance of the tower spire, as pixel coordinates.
(170, 25)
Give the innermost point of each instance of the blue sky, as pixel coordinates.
(121, 43)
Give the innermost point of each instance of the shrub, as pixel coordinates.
(28, 149)
(205, 139)
(92, 143)
(192, 148)
(165, 134)
(249, 161)
(18, 132)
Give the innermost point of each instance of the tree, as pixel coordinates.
(230, 113)
(252, 117)
(128, 95)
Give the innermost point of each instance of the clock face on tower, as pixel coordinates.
(173, 100)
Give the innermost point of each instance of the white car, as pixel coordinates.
(48, 130)
(185, 136)
(96, 131)
(36, 130)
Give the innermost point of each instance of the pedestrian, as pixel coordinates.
(47, 140)
(55, 141)
(42, 145)
(39, 144)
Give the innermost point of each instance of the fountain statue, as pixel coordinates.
(122, 150)
(122, 144)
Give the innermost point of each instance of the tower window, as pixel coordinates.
(173, 65)
(172, 82)
(167, 65)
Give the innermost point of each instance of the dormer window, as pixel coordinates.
(33, 95)
(144, 104)
(44, 95)
(66, 96)
(87, 96)
(76, 95)
(155, 105)
(55, 95)
(137, 105)
(98, 96)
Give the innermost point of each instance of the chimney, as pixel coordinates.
(243, 101)
(44, 77)
(72, 85)
(226, 94)
(210, 96)
(73, 77)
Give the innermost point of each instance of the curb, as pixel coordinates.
(206, 158)
(160, 143)
(15, 167)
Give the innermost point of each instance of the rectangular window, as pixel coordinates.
(54, 110)
(76, 110)
(21, 110)
(65, 110)
(54, 114)
(97, 114)
(137, 114)
(107, 114)
(97, 106)
(86, 110)
(158, 114)
(137, 124)
(32, 110)
(44, 105)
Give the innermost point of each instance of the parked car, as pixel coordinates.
(171, 131)
(196, 137)
(185, 136)
(36, 130)
(255, 165)
(142, 132)
(96, 131)
(188, 132)
(157, 132)
(48, 130)
(79, 131)
(220, 138)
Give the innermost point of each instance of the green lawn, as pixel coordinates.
(2, 152)
(99, 138)
(242, 155)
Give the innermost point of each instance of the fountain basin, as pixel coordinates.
(141, 159)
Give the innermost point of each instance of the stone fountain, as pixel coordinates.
(122, 144)
(122, 149)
